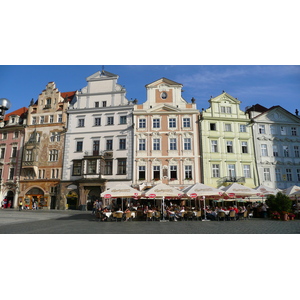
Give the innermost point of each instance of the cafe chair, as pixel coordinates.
(149, 216)
(198, 215)
(189, 215)
(250, 215)
(245, 215)
(221, 215)
(119, 216)
(157, 215)
(232, 215)
(128, 216)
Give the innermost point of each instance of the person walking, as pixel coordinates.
(20, 205)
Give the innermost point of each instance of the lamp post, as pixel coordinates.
(4, 105)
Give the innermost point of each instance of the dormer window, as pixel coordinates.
(12, 120)
(48, 103)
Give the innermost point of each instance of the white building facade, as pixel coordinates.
(98, 148)
(276, 135)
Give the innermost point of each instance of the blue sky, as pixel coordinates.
(267, 85)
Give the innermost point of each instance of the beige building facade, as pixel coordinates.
(166, 137)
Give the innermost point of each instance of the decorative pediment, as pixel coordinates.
(278, 115)
(164, 108)
(225, 97)
(163, 82)
(102, 75)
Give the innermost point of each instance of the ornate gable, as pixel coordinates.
(277, 114)
(225, 97)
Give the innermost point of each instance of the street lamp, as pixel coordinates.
(4, 105)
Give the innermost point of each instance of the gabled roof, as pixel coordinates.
(100, 75)
(225, 96)
(257, 108)
(280, 108)
(68, 95)
(163, 80)
(19, 112)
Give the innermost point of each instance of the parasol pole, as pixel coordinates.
(205, 219)
(163, 208)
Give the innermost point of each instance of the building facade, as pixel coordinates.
(276, 135)
(227, 144)
(98, 148)
(44, 148)
(166, 137)
(12, 131)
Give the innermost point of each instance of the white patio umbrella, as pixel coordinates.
(291, 190)
(161, 191)
(236, 190)
(200, 189)
(265, 190)
(121, 190)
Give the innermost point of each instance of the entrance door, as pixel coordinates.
(53, 202)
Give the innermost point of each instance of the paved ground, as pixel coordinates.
(79, 222)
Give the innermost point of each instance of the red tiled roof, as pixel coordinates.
(70, 95)
(18, 112)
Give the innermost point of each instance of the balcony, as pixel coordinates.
(234, 179)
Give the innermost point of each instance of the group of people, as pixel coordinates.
(5, 203)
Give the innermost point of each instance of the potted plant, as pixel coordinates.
(291, 216)
(280, 203)
(275, 215)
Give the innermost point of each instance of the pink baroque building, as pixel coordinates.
(12, 130)
(166, 137)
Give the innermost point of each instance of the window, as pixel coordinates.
(2, 153)
(142, 123)
(242, 128)
(28, 155)
(282, 130)
(48, 102)
(1, 173)
(16, 134)
(186, 122)
(156, 123)
(156, 144)
(11, 173)
(59, 119)
(229, 146)
(108, 168)
(231, 171)
(123, 119)
(173, 144)
(215, 170)
(156, 172)
(296, 151)
(41, 174)
(214, 146)
(91, 166)
(228, 127)
(244, 147)
(173, 172)
(122, 166)
(96, 147)
(172, 123)
(289, 175)
(42, 119)
(51, 119)
(54, 173)
(247, 173)
(142, 172)
(261, 129)
(14, 152)
(97, 122)
(142, 144)
(77, 168)
(188, 172)
(294, 131)
(96, 104)
(273, 129)
(225, 109)
(122, 144)
(53, 155)
(298, 175)
(187, 144)
(264, 150)
(52, 137)
(109, 145)
(278, 174)
(79, 146)
(104, 103)
(4, 135)
(33, 121)
(267, 175)
(213, 126)
(275, 150)
(80, 122)
(286, 151)
(110, 120)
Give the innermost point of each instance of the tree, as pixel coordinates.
(279, 203)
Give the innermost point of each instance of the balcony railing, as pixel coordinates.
(234, 179)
